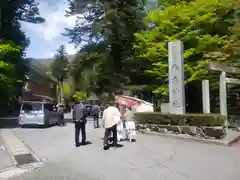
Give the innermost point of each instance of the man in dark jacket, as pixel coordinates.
(79, 118)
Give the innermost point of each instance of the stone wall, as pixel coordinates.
(202, 132)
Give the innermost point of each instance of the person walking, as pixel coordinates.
(60, 113)
(95, 114)
(79, 119)
(111, 117)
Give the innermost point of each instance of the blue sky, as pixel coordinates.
(46, 38)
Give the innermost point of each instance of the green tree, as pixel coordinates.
(7, 73)
(80, 95)
(114, 24)
(11, 14)
(67, 90)
(85, 67)
(60, 67)
(202, 25)
(13, 43)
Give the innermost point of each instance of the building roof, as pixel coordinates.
(44, 97)
(39, 68)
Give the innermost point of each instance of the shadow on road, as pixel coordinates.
(9, 123)
(30, 126)
(110, 139)
(12, 122)
(87, 143)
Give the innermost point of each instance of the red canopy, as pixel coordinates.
(125, 101)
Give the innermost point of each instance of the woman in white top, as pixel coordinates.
(130, 128)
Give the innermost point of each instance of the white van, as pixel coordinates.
(38, 113)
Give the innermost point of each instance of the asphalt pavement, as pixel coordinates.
(149, 158)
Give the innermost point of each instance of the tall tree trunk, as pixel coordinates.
(61, 91)
(57, 93)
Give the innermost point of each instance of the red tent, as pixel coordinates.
(126, 101)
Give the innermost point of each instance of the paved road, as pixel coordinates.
(6, 161)
(149, 158)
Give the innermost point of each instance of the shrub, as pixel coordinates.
(174, 119)
(79, 95)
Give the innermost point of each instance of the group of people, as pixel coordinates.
(111, 118)
(93, 111)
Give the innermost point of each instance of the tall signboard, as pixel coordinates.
(176, 78)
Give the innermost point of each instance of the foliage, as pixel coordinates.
(111, 25)
(85, 67)
(7, 52)
(9, 75)
(231, 48)
(25, 10)
(60, 64)
(11, 15)
(174, 119)
(203, 27)
(12, 46)
(67, 90)
(80, 95)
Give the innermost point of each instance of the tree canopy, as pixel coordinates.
(202, 25)
(127, 42)
(111, 26)
(60, 64)
(13, 43)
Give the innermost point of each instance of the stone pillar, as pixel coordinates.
(176, 78)
(223, 95)
(206, 96)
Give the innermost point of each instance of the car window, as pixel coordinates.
(32, 106)
(48, 107)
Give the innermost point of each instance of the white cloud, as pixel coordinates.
(47, 36)
(70, 49)
(55, 20)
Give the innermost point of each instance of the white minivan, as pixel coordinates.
(38, 113)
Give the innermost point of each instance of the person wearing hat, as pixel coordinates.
(60, 113)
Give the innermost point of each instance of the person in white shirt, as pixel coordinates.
(111, 117)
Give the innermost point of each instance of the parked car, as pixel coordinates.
(38, 113)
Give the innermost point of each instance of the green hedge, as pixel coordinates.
(174, 119)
